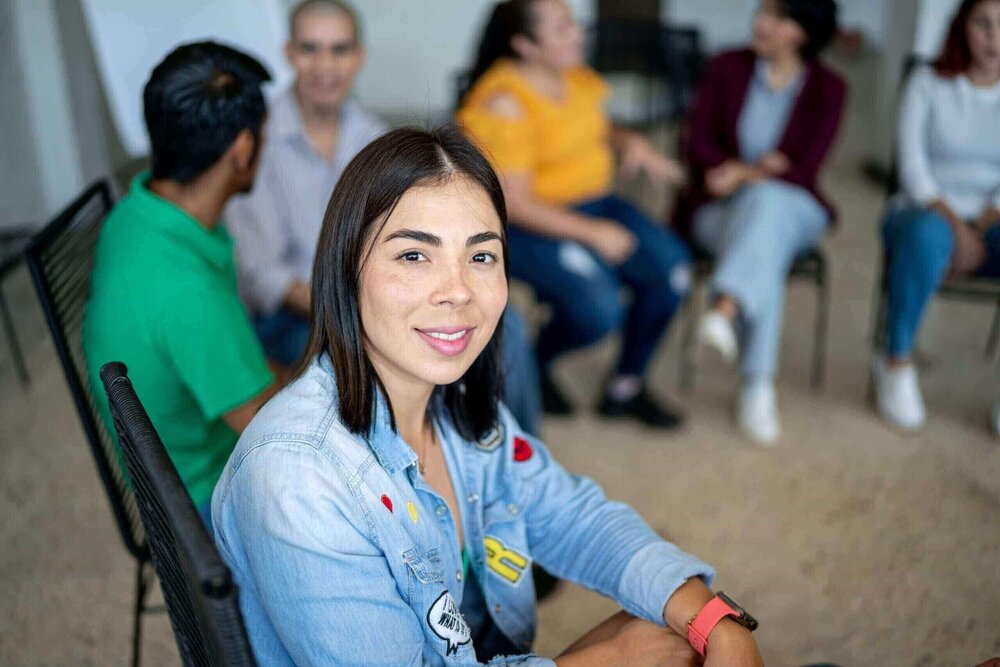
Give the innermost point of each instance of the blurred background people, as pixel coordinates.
(537, 111)
(945, 218)
(757, 136)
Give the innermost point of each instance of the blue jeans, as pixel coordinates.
(755, 235)
(584, 291)
(284, 336)
(919, 245)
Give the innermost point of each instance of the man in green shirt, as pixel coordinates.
(164, 296)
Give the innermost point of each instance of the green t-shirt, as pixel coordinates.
(164, 301)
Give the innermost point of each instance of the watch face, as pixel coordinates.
(744, 618)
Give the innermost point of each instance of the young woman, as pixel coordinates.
(538, 112)
(385, 509)
(759, 132)
(945, 217)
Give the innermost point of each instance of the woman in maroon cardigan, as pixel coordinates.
(760, 129)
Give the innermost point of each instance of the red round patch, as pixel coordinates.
(387, 502)
(522, 450)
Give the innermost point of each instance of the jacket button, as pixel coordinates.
(441, 510)
(458, 575)
(497, 608)
(474, 498)
(512, 508)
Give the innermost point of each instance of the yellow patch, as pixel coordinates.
(507, 563)
(412, 509)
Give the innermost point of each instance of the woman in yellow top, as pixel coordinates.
(537, 111)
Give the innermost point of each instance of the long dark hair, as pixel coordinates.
(364, 198)
(956, 56)
(508, 18)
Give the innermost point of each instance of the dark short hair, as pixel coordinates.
(364, 198)
(818, 19)
(336, 5)
(196, 102)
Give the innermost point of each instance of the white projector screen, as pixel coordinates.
(131, 36)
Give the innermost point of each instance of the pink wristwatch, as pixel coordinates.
(714, 611)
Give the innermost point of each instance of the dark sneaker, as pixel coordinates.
(554, 402)
(643, 407)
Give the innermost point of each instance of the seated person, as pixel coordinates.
(163, 296)
(758, 134)
(385, 508)
(537, 111)
(314, 129)
(945, 219)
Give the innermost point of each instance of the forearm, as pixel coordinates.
(547, 220)
(297, 298)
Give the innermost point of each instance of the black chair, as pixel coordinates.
(810, 266)
(60, 258)
(12, 246)
(202, 599)
(661, 54)
(967, 288)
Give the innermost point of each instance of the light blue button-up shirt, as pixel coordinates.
(765, 114)
(345, 555)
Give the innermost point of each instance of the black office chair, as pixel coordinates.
(202, 599)
(60, 258)
(967, 288)
(810, 266)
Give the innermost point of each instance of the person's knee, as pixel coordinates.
(597, 314)
(926, 241)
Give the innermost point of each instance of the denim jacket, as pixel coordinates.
(345, 555)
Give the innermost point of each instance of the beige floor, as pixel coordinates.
(851, 543)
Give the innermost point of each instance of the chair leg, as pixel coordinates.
(690, 315)
(15, 348)
(822, 326)
(878, 314)
(141, 590)
(991, 342)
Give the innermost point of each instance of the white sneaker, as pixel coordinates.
(716, 331)
(897, 395)
(758, 412)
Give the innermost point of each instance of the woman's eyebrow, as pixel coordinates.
(414, 235)
(482, 237)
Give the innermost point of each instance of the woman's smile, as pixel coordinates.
(449, 341)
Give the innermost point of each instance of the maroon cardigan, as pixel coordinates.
(711, 135)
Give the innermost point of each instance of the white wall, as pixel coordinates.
(416, 47)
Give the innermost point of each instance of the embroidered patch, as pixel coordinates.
(508, 564)
(522, 449)
(387, 502)
(446, 622)
(493, 439)
(412, 509)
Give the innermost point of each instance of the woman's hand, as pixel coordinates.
(775, 163)
(609, 239)
(732, 645)
(637, 155)
(970, 250)
(725, 179)
(644, 644)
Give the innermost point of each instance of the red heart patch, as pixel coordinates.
(387, 502)
(522, 450)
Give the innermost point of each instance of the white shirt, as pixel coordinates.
(949, 143)
(276, 226)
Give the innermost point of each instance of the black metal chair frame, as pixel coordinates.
(202, 598)
(11, 253)
(973, 288)
(810, 266)
(74, 281)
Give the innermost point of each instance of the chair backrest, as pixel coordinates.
(198, 588)
(60, 258)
